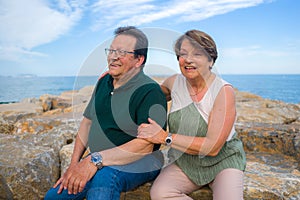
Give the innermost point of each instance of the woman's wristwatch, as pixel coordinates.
(169, 139)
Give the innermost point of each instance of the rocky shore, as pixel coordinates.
(36, 141)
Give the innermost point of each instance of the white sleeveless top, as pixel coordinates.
(181, 98)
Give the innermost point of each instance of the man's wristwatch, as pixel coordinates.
(96, 159)
(169, 139)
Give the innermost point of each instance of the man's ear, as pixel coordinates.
(140, 59)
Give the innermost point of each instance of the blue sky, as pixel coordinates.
(66, 37)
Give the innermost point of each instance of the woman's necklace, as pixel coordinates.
(203, 85)
(200, 91)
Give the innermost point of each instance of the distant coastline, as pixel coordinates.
(8, 102)
(27, 75)
(20, 76)
(283, 87)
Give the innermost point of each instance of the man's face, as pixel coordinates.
(120, 65)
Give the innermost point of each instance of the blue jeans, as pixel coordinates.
(109, 182)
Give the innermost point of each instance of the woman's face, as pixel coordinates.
(193, 62)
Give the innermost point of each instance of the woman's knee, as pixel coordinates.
(228, 184)
(157, 191)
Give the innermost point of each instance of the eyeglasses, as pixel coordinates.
(118, 53)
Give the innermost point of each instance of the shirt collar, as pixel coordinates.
(132, 82)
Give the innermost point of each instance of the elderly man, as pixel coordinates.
(123, 98)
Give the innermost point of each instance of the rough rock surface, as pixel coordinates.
(36, 144)
(253, 108)
(30, 162)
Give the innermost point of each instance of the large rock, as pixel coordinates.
(37, 145)
(51, 102)
(271, 138)
(30, 162)
(13, 112)
(261, 182)
(253, 108)
(65, 157)
(27, 170)
(272, 171)
(264, 181)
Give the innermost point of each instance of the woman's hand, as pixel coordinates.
(152, 132)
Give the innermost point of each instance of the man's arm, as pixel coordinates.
(81, 140)
(69, 176)
(152, 104)
(126, 153)
(167, 85)
(80, 172)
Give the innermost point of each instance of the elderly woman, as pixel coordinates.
(204, 148)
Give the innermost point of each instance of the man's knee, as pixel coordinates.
(104, 177)
(48, 195)
(101, 193)
(52, 194)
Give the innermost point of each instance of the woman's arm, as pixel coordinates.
(220, 123)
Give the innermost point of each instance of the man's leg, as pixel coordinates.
(109, 182)
(52, 194)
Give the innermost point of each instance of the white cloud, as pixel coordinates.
(113, 12)
(28, 24)
(117, 12)
(17, 54)
(196, 11)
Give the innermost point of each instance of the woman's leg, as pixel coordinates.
(173, 184)
(228, 185)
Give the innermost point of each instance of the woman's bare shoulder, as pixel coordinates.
(170, 81)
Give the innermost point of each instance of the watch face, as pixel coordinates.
(95, 158)
(168, 140)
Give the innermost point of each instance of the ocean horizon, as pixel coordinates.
(282, 87)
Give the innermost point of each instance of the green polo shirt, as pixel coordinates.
(117, 113)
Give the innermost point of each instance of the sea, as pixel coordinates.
(283, 87)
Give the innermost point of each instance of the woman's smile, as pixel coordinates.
(190, 67)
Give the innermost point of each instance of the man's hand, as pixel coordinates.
(76, 176)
